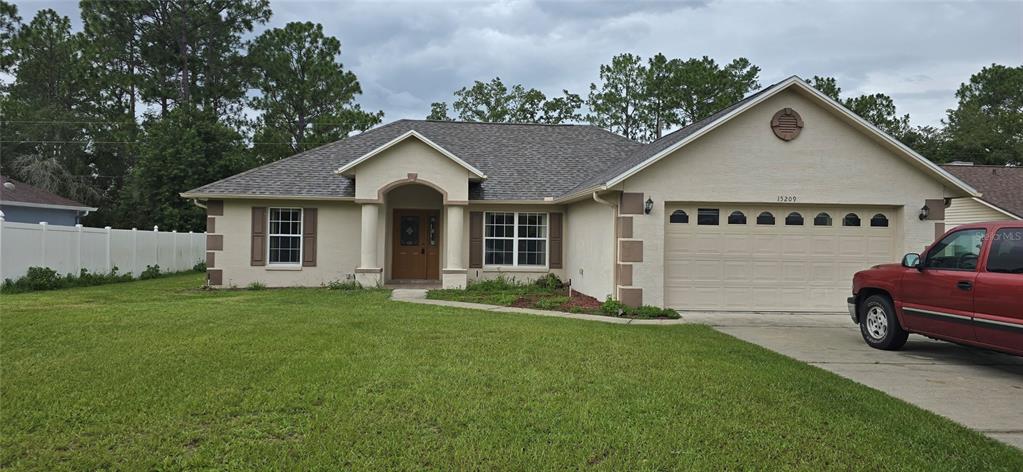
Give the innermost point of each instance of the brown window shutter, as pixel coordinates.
(309, 237)
(555, 238)
(475, 239)
(258, 256)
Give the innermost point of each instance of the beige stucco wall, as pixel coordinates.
(967, 210)
(743, 162)
(589, 248)
(337, 245)
(411, 156)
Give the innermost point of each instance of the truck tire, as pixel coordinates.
(879, 325)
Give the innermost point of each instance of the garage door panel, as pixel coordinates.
(770, 267)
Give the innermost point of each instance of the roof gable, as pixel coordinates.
(663, 147)
(343, 170)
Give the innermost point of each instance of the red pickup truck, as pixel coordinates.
(966, 288)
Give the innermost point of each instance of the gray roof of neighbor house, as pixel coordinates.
(23, 193)
(999, 185)
(521, 161)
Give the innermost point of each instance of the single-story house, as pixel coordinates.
(23, 203)
(769, 204)
(1002, 190)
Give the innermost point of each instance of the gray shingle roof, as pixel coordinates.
(521, 161)
(1001, 186)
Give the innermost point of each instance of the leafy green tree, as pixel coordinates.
(9, 23)
(986, 127)
(439, 112)
(826, 85)
(44, 128)
(306, 96)
(184, 149)
(618, 103)
(641, 101)
(494, 102)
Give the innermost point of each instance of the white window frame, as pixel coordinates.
(300, 235)
(516, 238)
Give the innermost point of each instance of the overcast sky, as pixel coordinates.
(408, 54)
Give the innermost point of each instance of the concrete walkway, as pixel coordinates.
(976, 388)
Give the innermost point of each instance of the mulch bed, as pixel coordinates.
(577, 303)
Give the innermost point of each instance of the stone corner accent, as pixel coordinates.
(624, 226)
(625, 274)
(215, 277)
(630, 250)
(632, 203)
(935, 209)
(214, 208)
(214, 242)
(211, 259)
(630, 296)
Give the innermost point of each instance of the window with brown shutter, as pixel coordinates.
(555, 237)
(258, 256)
(475, 239)
(309, 237)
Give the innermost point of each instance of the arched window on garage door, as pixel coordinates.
(822, 219)
(737, 218)
(879, 221)
(794, 219)
(679, 216)
(852, 219)
(765, 218)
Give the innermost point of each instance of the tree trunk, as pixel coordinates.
(183, 78)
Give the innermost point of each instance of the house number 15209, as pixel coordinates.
(787, 198)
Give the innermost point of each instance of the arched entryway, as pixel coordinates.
(415, 232)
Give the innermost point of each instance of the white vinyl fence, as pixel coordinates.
(69, 249)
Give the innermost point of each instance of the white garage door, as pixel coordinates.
(771, 258)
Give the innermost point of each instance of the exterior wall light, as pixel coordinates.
(648, 206)
(924, 212)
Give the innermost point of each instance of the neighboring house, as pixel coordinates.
(770, 204)
(1001, 197)
(23, 203)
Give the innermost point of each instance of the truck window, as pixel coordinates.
(1006, 253)
(957, 251)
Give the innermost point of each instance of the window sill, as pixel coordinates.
(516, 269)
(283, 267)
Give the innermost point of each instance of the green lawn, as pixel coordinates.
(159, 375)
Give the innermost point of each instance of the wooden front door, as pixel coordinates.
(416, 245)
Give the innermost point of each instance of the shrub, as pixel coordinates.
(344, 285)
(199, 266)
(550, 303)
(151, 272)
(549, 282)
(44, 278)
(501, 283)
(612, 307)
(647, 311)
(256, 285)
(504, 299)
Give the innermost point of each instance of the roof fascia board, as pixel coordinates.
(409, 134)
(784, 85)
(46, 206)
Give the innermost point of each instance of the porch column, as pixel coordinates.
(369, 273)
(454, 274)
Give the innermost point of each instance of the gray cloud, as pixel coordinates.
(408, 54)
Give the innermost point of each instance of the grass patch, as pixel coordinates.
(160, 375)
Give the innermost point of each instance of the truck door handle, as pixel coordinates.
(422, 250)
(964, 285)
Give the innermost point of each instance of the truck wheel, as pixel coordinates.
(879, 325)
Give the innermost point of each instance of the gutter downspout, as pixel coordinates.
(614, 240)
(195, 201)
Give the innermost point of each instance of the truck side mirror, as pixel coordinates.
(911, 260)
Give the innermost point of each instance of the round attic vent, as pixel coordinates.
(786, 124)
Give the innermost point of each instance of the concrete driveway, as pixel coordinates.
(979, 389)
